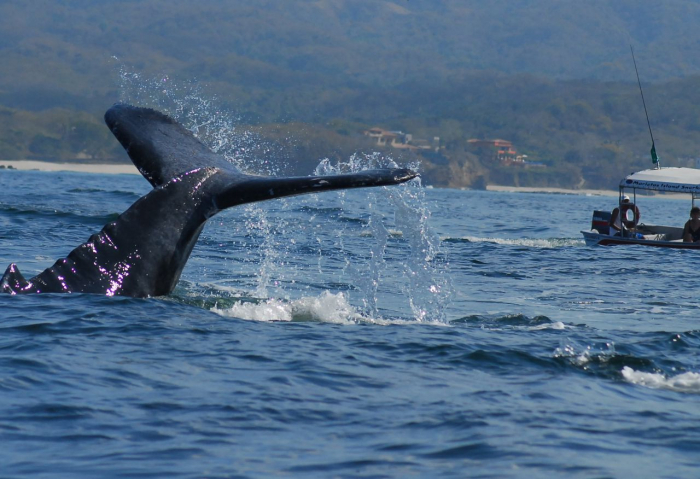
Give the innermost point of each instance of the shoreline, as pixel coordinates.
(583, 192)
(128, 169)
(112, 168)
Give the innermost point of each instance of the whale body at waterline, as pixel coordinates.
(143, 252)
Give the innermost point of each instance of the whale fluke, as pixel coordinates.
(143, 252)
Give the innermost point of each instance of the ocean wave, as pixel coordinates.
(528, 242)
(33, 213)
(511, 321)
(123, 193)
(688, 382)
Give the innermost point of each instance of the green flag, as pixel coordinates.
(654, 158)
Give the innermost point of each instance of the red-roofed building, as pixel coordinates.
(501, 150)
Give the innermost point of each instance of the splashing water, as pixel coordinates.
(204, 117)
(328, 307)
(430, 287)
(426, 288)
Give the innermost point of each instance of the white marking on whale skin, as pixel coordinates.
(209, 173)
(320, 183)
(106, 240)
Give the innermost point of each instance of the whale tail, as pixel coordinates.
(143, 252)
(162, 149)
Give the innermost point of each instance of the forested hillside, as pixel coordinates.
(555, 78)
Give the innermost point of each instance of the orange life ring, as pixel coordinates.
(624, 208)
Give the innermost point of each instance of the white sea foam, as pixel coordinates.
(529, 242)
(327, 307)
(554, 325)
(686, 382)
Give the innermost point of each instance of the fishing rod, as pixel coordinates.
(654, 157)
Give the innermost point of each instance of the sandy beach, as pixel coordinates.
(81, 167)
(131, 170)
(564, 191)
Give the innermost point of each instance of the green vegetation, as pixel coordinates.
(55, 134)
(308, 76)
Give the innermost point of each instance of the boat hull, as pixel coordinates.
(593, 238)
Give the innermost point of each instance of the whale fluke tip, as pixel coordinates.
(405, 174)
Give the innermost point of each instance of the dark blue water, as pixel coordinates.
(397, 332)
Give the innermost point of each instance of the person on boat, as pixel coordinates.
(691, 230)
(619, 224)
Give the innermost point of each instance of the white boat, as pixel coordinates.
(674, 180)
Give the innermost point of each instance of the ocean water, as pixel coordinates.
(391, 332)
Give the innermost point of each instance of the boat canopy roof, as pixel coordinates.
(679, 180)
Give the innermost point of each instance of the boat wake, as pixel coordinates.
(528, 242)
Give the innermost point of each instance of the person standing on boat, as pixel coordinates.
(691, 230)
(619, 218)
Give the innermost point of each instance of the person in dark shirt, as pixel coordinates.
(691, 230)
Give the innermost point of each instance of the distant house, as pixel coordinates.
(385, 137)
(498, 150)
(400, 140)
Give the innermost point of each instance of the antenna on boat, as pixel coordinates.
(654, 158)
